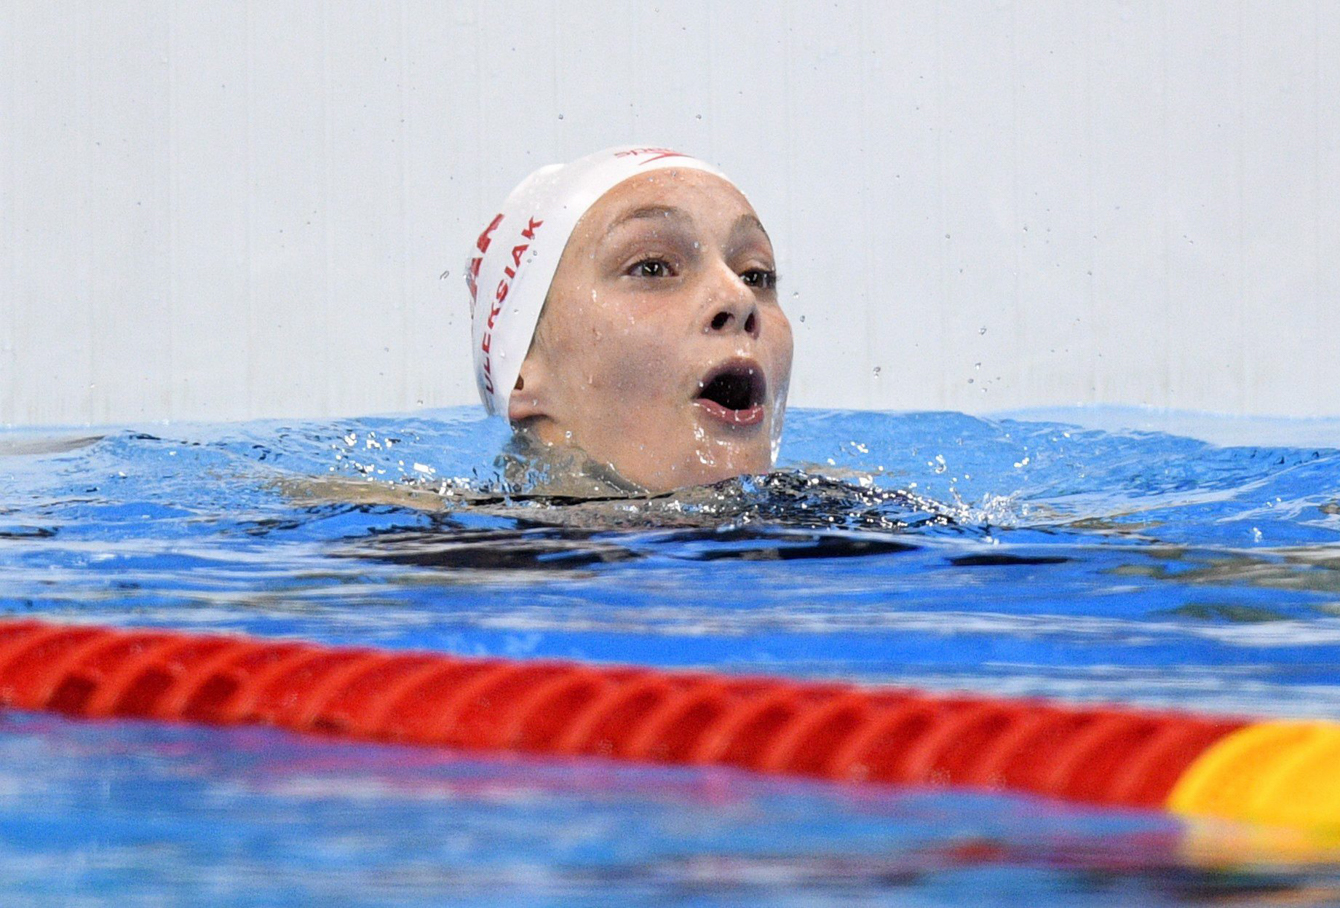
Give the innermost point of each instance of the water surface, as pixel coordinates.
(1031, 557)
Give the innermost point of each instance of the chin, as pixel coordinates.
(709, 455)
(737, 463)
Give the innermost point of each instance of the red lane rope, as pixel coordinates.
(835, 731)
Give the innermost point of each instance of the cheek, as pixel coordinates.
(607, 347)
(781, 344)
(636, 361)
(624, 350)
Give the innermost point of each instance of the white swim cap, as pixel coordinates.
(513, 263)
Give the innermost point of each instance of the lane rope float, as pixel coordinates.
(1284, 773)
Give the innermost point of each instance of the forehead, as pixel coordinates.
(705, 198)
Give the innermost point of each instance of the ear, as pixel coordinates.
(530, 397)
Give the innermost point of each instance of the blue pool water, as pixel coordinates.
(1041, 559)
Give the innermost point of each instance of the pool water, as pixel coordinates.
(1033, 557)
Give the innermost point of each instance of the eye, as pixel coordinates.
(650, 268)
(760, 278)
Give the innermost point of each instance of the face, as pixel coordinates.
(662, 349)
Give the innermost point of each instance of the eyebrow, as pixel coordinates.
(749, 220)
(653, 212)
(658, 212)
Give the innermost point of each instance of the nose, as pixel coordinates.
(733, 309)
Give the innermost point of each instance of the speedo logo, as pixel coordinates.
(658, 152)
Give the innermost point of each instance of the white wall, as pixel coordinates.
(235, 209)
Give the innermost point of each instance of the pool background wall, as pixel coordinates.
(236, 210)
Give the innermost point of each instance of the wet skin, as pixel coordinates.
(662, 349)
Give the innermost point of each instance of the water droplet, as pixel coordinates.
(981, 330)
(700, 116)
(444, 275)
(802, 319)
(977, 365)
(560, 116)
(877, 372)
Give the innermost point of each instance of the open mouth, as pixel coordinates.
(734, 393)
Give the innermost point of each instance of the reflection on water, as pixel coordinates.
(933, 550)
(1307, 568)
(131, 811)
(549, 549)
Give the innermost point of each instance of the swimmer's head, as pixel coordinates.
(626, 304)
